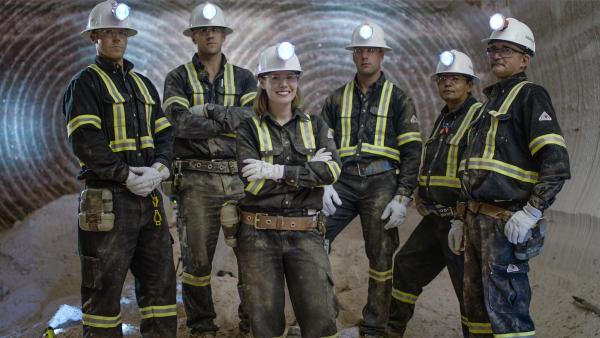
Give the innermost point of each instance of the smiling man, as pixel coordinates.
(376, 131)
(515, 164)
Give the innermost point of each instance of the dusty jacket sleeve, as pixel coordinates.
(176, 107)
(409, 142)
(547, 146)
(82, 109)
(328, 115)
(163, 134)
(230, 117)
(313, 174)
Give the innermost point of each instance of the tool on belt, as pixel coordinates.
(96, 210)
(230, 222)
(262, 221)
(157, 217)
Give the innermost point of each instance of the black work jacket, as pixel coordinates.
(114, 120)
(291, 145)
(516, 153)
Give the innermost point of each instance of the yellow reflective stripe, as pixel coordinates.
(247, 98)
(500, 167)
(157, 311)
(346, 114)
(477, 328)
(195, 280)
(440, 181)
(332, 336)
(334, 168)
(265, 146)
(229, 84)
(392, 153)
(382, 112)
(80, 120)
(348, 151)
(464, 320)
(544, 140)
(175, 99)
(515, 334)
(146, 142)
(231, 135)
(409, 137)
(490, 142)
(110, 85)
(452, 162)
(306, 130)
(197, 89)
(122, 145)
(101, 321)
(404, 297)
(142, 86)
(381, 276)
(119, 124)
(161, 124)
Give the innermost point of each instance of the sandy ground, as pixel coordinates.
(40, 272)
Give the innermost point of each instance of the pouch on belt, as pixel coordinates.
(96, 210)
(534, 245)
(230, 222)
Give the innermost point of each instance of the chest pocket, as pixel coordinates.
(144, 100)
(305, 138)
(227, 86)
(381, 114)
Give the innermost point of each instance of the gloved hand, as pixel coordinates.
(162, 170)
(456, 241)
(144, 181)
(396, 211)
(321, 155)
(198, 110)
(520, 223)
(330, 200)
(259, 170)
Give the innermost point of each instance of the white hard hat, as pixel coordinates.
(455, 62)
(511, 30)
(106, 15)
(368, 34)
(280, 57)
(207, 15)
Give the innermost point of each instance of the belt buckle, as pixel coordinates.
(360, 173)
(256, 221)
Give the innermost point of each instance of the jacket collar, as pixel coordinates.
(110, 66)
(378, 84)
(505, 84)
(200, 66)
(463, 108)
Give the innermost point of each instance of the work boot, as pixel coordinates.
(294, 331)
(195, 333)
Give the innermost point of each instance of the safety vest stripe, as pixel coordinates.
(346, 115)
(146, 142)
(452, 161)
(144, 139)
(500, 168)
(464, 320)
(440, 181)
(158, 311)
(490, 142)
(101, 321)
(515, 334)
(349, 151)
(195, 280)
(247, 98)
(175, 99)
(306, 130)
(229, 84)
(382, 112)
(119, 125)
(335, 170)
(161, 124)
(142, 86)
(409, 137)
(197, 89)
(544, 140)
(122, 145)
(266, 148)
(110, 85)
(394, 154)
(404, 297)
(81, 120)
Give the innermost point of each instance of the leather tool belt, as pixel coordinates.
(441, 210)
(214, 166)
(489, 210)
(265, 222)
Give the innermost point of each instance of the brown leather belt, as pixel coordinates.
(489, 210)
(216, 166)
(265, 222)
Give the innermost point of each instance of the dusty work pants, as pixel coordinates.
(424, 255)
(135, 243)
(200, 197)
(368, 196)
(269, 259)
(496, 286)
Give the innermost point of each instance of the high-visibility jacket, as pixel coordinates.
(439, 183)
(383, 125)
(291, 145)
(516, 151)
(206, 137)
(114, 120)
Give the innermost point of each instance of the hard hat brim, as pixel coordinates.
(520, 46)
(384, 47)
(299, 72)
(188, 32)
(86, 33)
(474, 78)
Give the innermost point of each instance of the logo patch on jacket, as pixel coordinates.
(512, 268)
(545, 117)
(413, 119)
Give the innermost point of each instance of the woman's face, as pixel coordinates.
(280, 86)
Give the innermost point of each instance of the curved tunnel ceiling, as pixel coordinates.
(41, 51)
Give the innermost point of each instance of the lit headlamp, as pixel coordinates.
(120, 11)
(447, 58)
(285, 51)
(209, 11)
(365, 32)
(498, 22)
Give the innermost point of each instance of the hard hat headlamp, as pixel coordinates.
(209, 11)
(365, 32)
(498, 22)
(285, 51)
(446, 58)
(120, 11)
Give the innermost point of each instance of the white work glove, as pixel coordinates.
(322, 155)
(330, 200)
(456, 241)
(145, 181)
(162, 170)
(259, 170)
(520, 223)
(396, 211)
(198, 110)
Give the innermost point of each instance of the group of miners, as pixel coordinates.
(241, 149)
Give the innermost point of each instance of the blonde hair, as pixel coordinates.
(261, 103)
